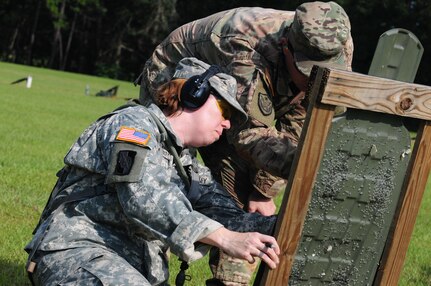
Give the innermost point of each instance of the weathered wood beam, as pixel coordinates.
(295, 204)
(377, 94)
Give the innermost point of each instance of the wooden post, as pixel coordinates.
(415, 183)
(330, 88)
(294, 207)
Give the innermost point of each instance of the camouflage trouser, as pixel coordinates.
(85, 266)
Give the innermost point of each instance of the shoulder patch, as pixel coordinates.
(132, 135)
(260, 107)
(126, 163)
(125, 160)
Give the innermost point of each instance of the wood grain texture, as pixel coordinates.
(293, 216)
(297, 196)
(365, 92)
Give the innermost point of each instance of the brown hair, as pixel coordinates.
(168, 96)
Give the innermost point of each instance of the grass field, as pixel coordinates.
(38, 125)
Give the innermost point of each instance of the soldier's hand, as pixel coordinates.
(258, 203)
(250, 245)
(246, 246)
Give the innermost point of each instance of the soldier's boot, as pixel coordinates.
(230, 271)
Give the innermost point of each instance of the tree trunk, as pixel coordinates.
(57, 44)
(120, 44)
(11, 53)
(69, 42)
(33, 32)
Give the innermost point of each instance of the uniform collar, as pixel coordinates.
(164, 120)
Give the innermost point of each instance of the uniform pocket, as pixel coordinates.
(111, 269)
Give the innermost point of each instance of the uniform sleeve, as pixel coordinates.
(267, 149)
(160, 210)
(258, 141)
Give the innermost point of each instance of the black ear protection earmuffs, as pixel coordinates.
(196, 89)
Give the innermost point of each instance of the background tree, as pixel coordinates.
(114, 38)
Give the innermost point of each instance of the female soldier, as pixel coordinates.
(125, 195)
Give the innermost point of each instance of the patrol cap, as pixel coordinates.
(318, 34)
(223, 84)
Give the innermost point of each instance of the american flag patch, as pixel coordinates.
(128, 134)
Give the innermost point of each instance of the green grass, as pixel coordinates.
(38, 125)
(417, 266)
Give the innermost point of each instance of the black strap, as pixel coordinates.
(182, 276)
(129, 103)
(192, 189)
(166, 139)
(139, 79)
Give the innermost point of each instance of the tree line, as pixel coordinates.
(114, 38)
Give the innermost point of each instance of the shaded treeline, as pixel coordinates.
(114, 38)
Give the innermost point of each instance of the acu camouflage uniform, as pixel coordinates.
(118, 206)
(245, 42)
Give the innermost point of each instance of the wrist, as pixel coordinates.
(217, 238)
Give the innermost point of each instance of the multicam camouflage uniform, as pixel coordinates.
(118, 206)
(246, 42)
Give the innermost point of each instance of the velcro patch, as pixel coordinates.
(128, 134)
(125, 162)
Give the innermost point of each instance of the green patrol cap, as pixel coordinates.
(224, 84)
(318, 34)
